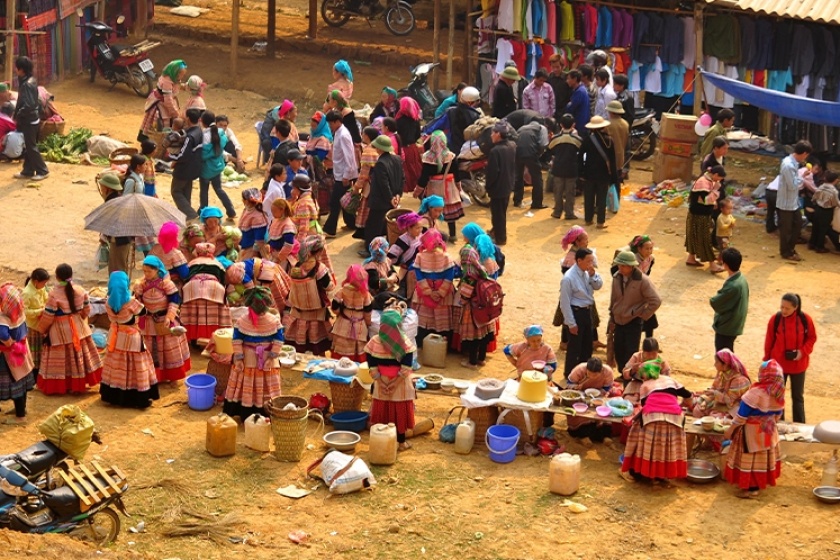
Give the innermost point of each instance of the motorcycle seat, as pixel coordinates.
(62, 500)
(39, 458)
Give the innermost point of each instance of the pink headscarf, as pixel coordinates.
(409, 108)
(768, 393)
(730, 360)
(432, 240)
(571, 236)
(407, 220)
(357, 277)
(285, 107)
(168, 236)
(205, 250)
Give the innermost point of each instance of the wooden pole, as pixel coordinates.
(436, 43)
(698, 57)
(466, 72)
(11, 16)
(272, 28)
(234, 43)
(450, 53)
(142, 23)
(313, 19)
(59, 38)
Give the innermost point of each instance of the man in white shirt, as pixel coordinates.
(605, 94)
(345, 173)
(787, 200)
(276, 179)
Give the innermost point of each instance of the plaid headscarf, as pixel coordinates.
(438, 152)
(11, 304)
(650, 369)
(378, 249)
(392, 335)
(432, 240)
(357, 277)
(205, 250)
(731, 361)
(258, 300)
(571, 236)
(768, 393)
(311, 245)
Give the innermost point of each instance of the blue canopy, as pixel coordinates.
(781, 103)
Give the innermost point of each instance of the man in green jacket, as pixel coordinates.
(731, 302)
(725, 120)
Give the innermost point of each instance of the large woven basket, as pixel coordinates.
(516, 418)
(51, 127)
(347, 397)
(290, 436)
(484, 417)
(222, 373)
(122, 156)
(274, 408)
(157, 138)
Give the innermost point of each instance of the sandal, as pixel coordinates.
(404, 446)
(747, 494)
(693, 263)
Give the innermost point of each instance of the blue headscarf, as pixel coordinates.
(323, 128)
(224, 261)
(343, 68)
(533, 330)
(378, 249)
(155, 262)
(433, 201)
(210, 212)
(471, 231)
(485, 247)
(118, 292)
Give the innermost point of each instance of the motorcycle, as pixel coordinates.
(120, 65)
(476, 183)
(419, 90)
(83, 511)
(398, 14)
(643, 134)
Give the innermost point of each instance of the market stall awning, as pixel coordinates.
(780, 103)
(824, 11)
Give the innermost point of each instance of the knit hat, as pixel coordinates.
(511, 73)
(626, 258)
(615, 107)
(383, 143)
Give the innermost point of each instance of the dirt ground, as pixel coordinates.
(432, 503)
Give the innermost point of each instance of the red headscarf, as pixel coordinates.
(768, 393)
(357, 277)
(409, 108)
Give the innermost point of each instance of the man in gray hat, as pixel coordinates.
(386, 185)
(504, 98)
(633, 300)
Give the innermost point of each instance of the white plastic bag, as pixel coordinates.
(341, 478)
(835, 220)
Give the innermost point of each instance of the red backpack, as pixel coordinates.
(487, 302)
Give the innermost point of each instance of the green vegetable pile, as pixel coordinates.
(67, 148)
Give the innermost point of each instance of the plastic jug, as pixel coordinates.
(363, 375)
(564, 474)
(383, 444)
(257, 432)
(223, 339)
(464, 437)
(829, 475)
(434, 351)
(221, 435)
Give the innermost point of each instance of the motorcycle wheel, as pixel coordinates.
(139, 82)
(92, 71)
(644, 145)
(482, 199)
(399, 19)
(334, 12)
(100, 528)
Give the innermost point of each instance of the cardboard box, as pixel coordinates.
(672, 167)
(681, 149)
(678, 128)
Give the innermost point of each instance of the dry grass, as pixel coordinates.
(203, 525)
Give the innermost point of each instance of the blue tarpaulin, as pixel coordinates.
(781, 103)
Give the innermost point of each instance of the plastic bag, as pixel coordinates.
(342, 473)
(613, 200)
(103, 253)
(350, 201)
(69, 429)
(835, 220)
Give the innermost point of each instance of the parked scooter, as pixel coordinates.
(419, 90)
(476, 183)
(64, 510)
(127, 65)
(398, 14)
(643, 134)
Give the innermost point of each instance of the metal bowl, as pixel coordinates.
(342, 441)
(827, 494)
(569, 397)
(702, 472)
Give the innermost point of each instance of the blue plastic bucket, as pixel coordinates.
(201, 391)
(501, 440)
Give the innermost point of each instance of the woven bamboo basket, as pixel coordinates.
(516, 418)
(51, 127)
(347, 397)
(274, 408)
(290, 436)
(484, 417)
(122, 156)
(221, 372)
(157, 138)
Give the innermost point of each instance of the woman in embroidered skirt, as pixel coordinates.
(16, 366)
(440, 176)
(352, 307)
(255, 376)
(382, 277)
(190, 237)
(431, 210)
(404, 249)
(434, 294)
(702, 200)
(69, 360)
(204, 309)
(252, 224)
(648, 353)
(269, 275)
(389, 355)
(367, 161)
(281, 234)
(723, 398)
(305, 216)
(34, 296)
(162, 103)
(170, 351)
(211, 225)
(656, 446)
(408, 130)
(753, 461)
(592, 374)
(128, 377)
(311, 285)
(166, 249)
(473, 339)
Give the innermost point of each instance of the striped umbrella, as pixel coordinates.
(133, 215)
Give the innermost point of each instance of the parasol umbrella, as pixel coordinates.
(133, 215)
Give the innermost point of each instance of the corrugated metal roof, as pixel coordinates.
(824, 11)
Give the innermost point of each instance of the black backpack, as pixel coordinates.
(778, 319)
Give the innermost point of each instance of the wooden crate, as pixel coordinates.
(93, 483)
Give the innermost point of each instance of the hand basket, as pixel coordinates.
(51, 127)
(447, 431)
(122, 156)
(484, 417)
(274, 408)
(347, 397)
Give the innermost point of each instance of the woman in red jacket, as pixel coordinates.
(790, 340)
